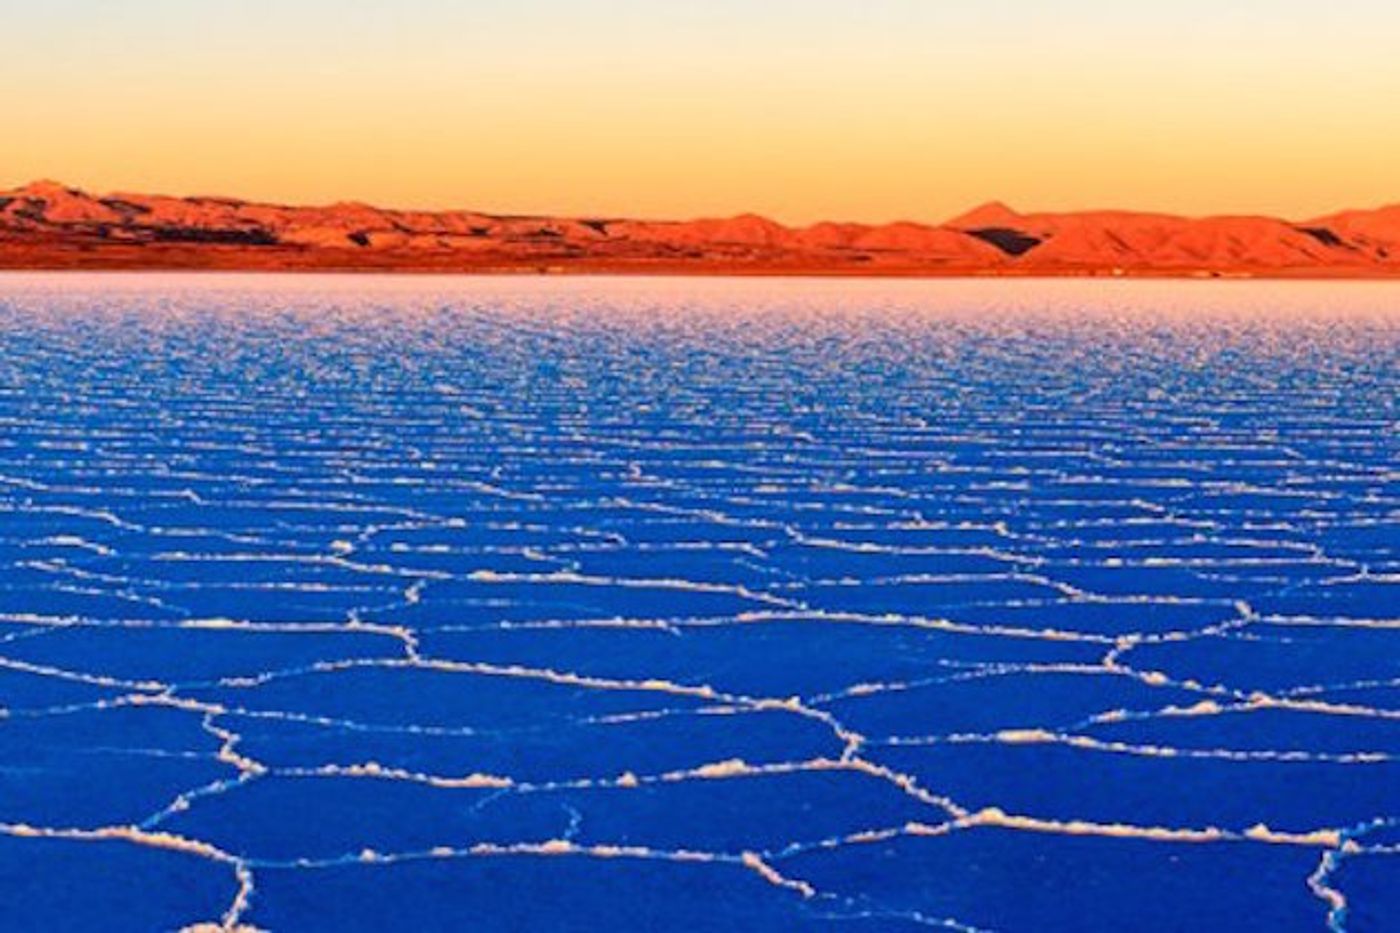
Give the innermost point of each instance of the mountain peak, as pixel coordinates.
(757, 220)
(47, 187)
(991, 214)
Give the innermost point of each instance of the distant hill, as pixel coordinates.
(49, 225)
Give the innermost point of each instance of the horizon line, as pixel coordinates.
(992, 204)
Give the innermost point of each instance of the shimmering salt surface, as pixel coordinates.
(364, 603)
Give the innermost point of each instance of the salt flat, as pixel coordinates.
(443, 603)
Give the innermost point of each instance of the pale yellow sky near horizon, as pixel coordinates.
(881, 110)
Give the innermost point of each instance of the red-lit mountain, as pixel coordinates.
(48, 225)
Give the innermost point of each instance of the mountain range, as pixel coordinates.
(49, 225)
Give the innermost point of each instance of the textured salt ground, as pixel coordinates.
(775, 657)
(996, 879)
(1047, 699)
(1107, 618)
(92, 768)
(192, 654)
(362, 604)
(565, 893)
(1063, 782)
(1268, 656)
(761, 812)
(600, 751)
(1371, 882)
(1247, 728)
(55, 884)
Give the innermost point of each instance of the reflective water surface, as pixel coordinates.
(438, 604)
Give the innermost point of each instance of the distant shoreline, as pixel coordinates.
(46, 226)
(257, 268)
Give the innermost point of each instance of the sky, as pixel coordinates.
(870, 110)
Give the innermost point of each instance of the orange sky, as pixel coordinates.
(874, 111)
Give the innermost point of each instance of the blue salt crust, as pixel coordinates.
(357, 603)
